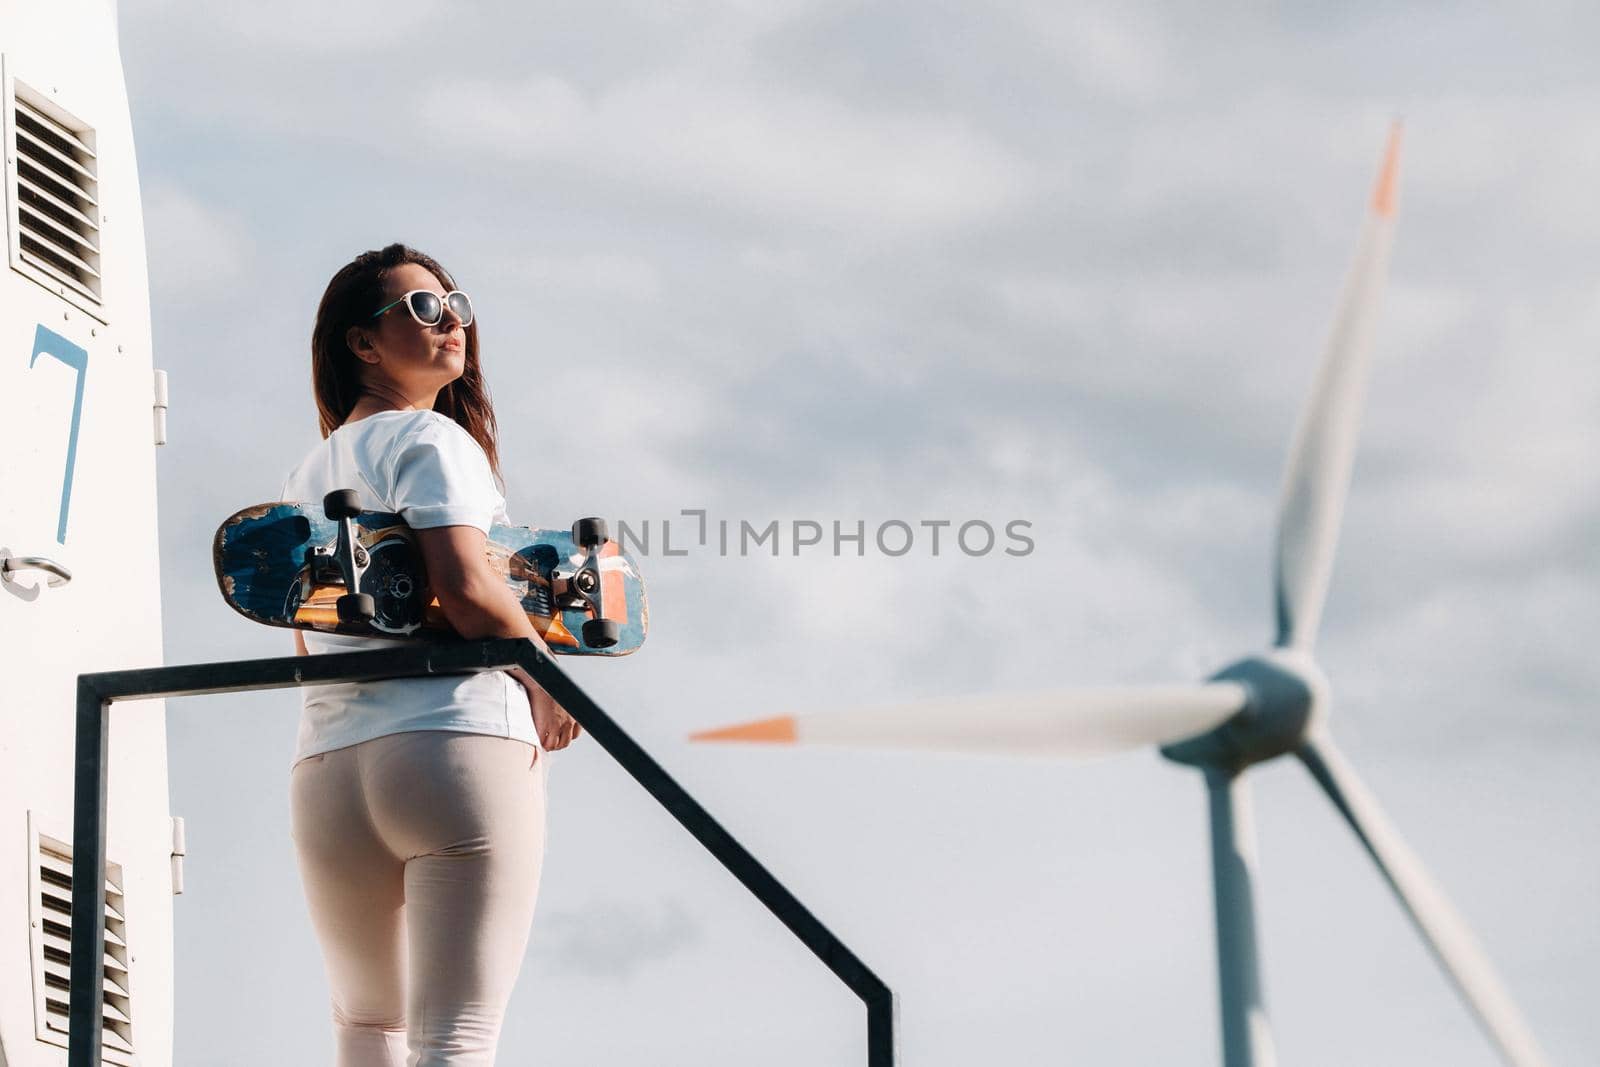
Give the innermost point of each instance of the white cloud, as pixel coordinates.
(348, 27)
(589, 277)
(760, 147)
(612, 939)
(1117, 51)
(192, 245)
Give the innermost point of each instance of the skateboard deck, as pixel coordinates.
(279, 564)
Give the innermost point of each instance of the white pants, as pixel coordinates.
(420, 854)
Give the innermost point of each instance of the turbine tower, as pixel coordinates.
(1270, 704)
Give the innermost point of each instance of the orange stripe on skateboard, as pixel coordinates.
(613, 587)
(322, 609)
(553, 630)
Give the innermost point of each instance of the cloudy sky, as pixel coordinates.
(997, 261)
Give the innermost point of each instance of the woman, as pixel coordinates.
(418, 805)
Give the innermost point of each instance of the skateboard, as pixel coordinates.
(342, 569)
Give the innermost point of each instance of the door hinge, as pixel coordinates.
(178, 852)
(159, 408)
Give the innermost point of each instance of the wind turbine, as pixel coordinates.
(1269, 704)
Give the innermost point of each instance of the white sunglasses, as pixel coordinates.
(427, 306)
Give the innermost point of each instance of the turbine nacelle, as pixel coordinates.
(1286, 698)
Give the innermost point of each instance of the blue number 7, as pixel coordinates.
(49, 343)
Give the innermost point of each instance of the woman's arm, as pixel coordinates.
(478, 604)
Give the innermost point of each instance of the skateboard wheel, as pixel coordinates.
(590, 532)
(601, 633)
(341, 504)
(357, 607)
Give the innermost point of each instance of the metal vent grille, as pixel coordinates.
(52, 938)
(56, 212)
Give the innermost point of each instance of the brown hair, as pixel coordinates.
(355, 292)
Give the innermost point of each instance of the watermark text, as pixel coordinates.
(695, 531)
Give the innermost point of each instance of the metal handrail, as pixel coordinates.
(97, 692)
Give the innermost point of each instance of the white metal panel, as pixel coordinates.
(108, 616)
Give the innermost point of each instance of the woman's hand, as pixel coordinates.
(555, 727)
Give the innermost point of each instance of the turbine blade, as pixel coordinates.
(1441, 926)
(1083, 722)
(1318, 474)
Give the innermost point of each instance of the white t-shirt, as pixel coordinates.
(426, 468)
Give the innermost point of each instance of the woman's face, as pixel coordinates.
(400, 351)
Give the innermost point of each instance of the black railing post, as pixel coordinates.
(85, 1021)
(97, 692)
(883, 1030)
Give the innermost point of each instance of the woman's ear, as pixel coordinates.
(361, 344)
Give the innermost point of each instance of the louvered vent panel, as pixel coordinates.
(56, 215)
(53, 929)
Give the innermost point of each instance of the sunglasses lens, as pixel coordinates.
(426, 306)
(461, 307)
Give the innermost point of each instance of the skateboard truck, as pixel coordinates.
(356, 609)
(584, 591)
